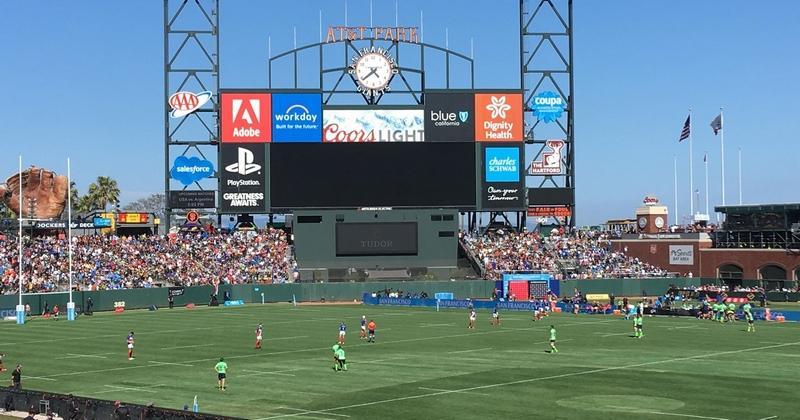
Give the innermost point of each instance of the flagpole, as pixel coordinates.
(705, 161)
(722, 151)
(21, 212)
(20, 307)
(691, 169)
(675, 186)
(740, 176)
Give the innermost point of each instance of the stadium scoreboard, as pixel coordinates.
(284, 150)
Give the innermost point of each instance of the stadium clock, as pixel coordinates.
(642, 222)
(373, 69)
(659, 222)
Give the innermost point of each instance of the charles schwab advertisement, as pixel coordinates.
(502, 185)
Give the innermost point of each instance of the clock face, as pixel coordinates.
(642, 222)
(659, 222)
(373, 70)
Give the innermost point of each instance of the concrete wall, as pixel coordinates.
(315, 243)
(315, 292)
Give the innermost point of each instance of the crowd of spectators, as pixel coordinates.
(102, 262)
(392, 293)
(565, 253)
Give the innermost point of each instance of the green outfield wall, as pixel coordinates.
(316, 292)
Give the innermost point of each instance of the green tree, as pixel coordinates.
(75, 197)
(154, 203)
(103, 192)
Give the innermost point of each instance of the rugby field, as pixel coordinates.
(425, 364)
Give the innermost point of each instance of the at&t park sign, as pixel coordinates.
(378, 33)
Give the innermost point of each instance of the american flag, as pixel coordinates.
(686, 129)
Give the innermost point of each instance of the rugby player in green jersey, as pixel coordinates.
(749, 317)
(340, 357)
(553, 348)
(637, 322)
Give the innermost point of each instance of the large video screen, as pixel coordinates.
(388, 174)
(286, 150)
(359, 239)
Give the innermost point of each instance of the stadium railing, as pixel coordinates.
(75, 407)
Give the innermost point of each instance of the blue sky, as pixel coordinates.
(84, 79)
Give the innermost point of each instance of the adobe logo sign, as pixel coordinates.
(245, 117)
(498, 117)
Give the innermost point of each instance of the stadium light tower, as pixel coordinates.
(546, 77)
(191, 70)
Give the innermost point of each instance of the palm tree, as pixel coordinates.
(75, 197)
(83, 204)
(106, 191)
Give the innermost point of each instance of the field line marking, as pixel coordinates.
(407, 340)
(379, 360)
(285, 338)
(604, 335)
(768, 418)
(39, 377)
(75, 355)
(468, 351)
(783, 354)
(464, 392)
(187, 347)
(128, 388)
(437, 325)
(637, 410)
(260, 372)
(537, 379)
(156, 362)
(300, 409)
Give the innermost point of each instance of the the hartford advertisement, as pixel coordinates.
(243, 178)
(502, 183)
(374, 125)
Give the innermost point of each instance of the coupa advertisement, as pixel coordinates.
(502, 185)
(374, 125)
(243, 178)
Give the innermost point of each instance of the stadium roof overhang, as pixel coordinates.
(755, 208)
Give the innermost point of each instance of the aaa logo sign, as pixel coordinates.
(245, 117)
(498, 117)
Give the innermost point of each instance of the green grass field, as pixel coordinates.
(425, 364)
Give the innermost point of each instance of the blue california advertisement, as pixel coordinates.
(548, 106)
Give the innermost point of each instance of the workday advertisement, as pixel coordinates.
(502, 182)
(296, 117)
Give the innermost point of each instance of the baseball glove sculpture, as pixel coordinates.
(44, 194)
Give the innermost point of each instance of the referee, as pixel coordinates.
(16, 378)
